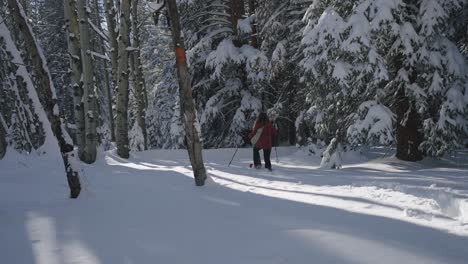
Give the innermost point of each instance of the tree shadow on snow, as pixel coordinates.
(151, 212)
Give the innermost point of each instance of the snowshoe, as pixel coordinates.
(252, 166)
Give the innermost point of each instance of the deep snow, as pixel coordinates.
(147, 210)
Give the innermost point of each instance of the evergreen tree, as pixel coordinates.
(280, 27)
(165, 127)
(21, 128)
(42, 92)
(225, 69)
(365, 60)
(342, 73)
(48, 20)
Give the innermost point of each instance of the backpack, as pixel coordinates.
(257, 136)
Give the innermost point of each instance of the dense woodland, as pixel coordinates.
(97, 74)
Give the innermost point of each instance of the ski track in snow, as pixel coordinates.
(147, 210)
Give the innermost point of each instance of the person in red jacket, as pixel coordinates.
(261, 137)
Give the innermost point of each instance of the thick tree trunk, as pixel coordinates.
(107, 82)
(187, 105)
(89, 95)
(291, 91)
(73, 34)
(237, 12)
(138, 75)
(254, 37)
(122, 91)
(408, 134)
(409, 124)
(145, 90)
(292, 129)
(46, 95)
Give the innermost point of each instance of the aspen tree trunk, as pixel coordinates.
(187, 105)
(73, 34)
(138, 74)
(123, 73)
(24, 3)
(117, 6)
(107, 82)
(111, 28)
(89, 95)
(111, 13)
(45, 92)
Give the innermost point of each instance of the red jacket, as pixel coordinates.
(266, 139)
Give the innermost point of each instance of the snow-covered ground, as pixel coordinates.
(147, 210)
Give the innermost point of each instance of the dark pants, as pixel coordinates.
(266, 156)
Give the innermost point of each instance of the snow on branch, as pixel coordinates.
(99, 32)
(155, 7)
(98, 55)
(373, 123)
(245, 25)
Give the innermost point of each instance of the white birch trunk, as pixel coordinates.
(122, 90)
(111, 28)
(138, 75)
(89, 95)
(106, 75)
(194, 146)
(73, 34)
(46, 94)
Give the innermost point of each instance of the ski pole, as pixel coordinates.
(276, 151)
(233, 156)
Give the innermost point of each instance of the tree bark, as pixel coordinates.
(138, 75)
(292, 116)
(122, 91)
(110, 11)
(89, 95)
(107, 82)
(254, 37)
(111, 28)
(237, 12)
(45, 88)
(71, 23)
(408, 134)
(187, 105)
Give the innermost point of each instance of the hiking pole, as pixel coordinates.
(233, 156)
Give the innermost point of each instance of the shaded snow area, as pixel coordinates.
(147, 210)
